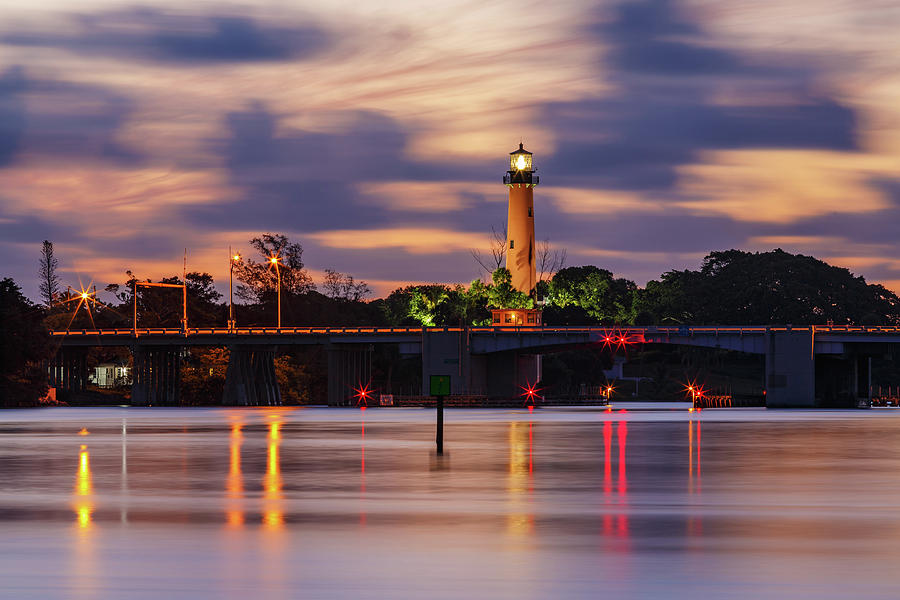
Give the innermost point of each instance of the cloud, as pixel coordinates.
(410, 239)
(149, 34)
(780, 186)
(431, 196)
(61, 120)
(12, 114)
(332, 177)
(676, 94)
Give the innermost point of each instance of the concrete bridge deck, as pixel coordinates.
(497, 360)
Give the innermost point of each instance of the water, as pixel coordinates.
(340, 503)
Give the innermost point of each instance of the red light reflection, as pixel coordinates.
(621, 501)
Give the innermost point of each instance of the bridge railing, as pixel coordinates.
(652, 331)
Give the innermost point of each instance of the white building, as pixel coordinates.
(107, 375)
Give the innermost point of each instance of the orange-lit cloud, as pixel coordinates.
(782, 186)
(430, 196)
(411, 239)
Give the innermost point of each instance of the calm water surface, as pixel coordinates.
(340, 503)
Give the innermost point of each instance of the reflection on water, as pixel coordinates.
(694, 486)
(83, 567)
(362, 473)
(234, 485)
(520, 520)
(548, 503)
(273, 512)
(615, 514)
(84, 505)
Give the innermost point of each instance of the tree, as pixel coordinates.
(503, 295)
(24, 345)
(339, 286)
(743, 288)
(498, 249)
(163, 307)
(437, 305)
(549, 261)
(589, 293)
(49, 286)
(424, 302)
(260, 281)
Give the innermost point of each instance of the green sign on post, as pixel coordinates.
(440, 385)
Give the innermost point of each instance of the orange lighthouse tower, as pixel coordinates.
(520, 259)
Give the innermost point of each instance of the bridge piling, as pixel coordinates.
(250, 379)
(349, 367)
(156, 377)
(67, 370)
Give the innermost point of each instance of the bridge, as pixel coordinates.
(804, 366)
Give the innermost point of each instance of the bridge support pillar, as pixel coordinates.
(251, 379)
(156, 378)
(495, 374)
(349, 367)
(790, 370)
(68, 370)
(447, 353)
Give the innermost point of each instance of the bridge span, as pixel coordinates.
(805, 366)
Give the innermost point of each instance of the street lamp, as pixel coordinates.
(274, 261)
(236, 257)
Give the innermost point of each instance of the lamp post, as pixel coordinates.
(274, 260)
(236, 257)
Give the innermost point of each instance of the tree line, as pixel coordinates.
(730, 287)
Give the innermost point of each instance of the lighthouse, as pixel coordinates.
(520, 256)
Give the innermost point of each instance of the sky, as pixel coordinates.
(376, 134)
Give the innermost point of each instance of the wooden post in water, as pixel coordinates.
(439, 437)
(440, 387)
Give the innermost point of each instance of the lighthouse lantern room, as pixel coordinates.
(520, 254)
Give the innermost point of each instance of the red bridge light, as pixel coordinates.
(530, 393)
(363, 395)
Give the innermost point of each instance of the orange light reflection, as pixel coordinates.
(235, 482)
(84, 507)
(273, 515)
(520, 521)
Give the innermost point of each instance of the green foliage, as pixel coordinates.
(502, 294)
(24, 345)
(424, 302)
(436, 305)
(590, 294)
(743, 288)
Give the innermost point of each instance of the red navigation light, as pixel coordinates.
(617, 339)
(530, 393)
(363, 395)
